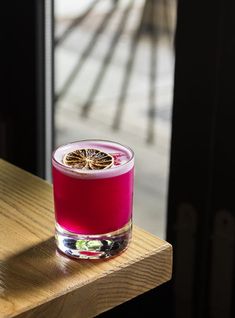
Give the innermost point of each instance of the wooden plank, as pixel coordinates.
(37, 281)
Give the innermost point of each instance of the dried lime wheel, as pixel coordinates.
(88, 159)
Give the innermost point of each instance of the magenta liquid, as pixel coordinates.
(93, 206)
(93, 203)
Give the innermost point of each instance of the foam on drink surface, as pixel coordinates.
(123, 158)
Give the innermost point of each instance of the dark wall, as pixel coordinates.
(201, 206)
(22, 84)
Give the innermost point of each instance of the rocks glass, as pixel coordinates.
(93, 183)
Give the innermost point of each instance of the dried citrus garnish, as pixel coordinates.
(90, 159)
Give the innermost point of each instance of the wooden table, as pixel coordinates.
(37, 281)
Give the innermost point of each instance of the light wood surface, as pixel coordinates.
(37, 281)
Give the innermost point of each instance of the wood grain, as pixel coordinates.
(37, 281)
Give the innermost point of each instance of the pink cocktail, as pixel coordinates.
(93, 197)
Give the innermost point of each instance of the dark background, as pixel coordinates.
(201, 214)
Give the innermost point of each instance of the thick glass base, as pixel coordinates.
(93, 246)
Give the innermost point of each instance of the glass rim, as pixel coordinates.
(69, 169)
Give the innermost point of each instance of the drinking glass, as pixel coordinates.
(93, 184)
